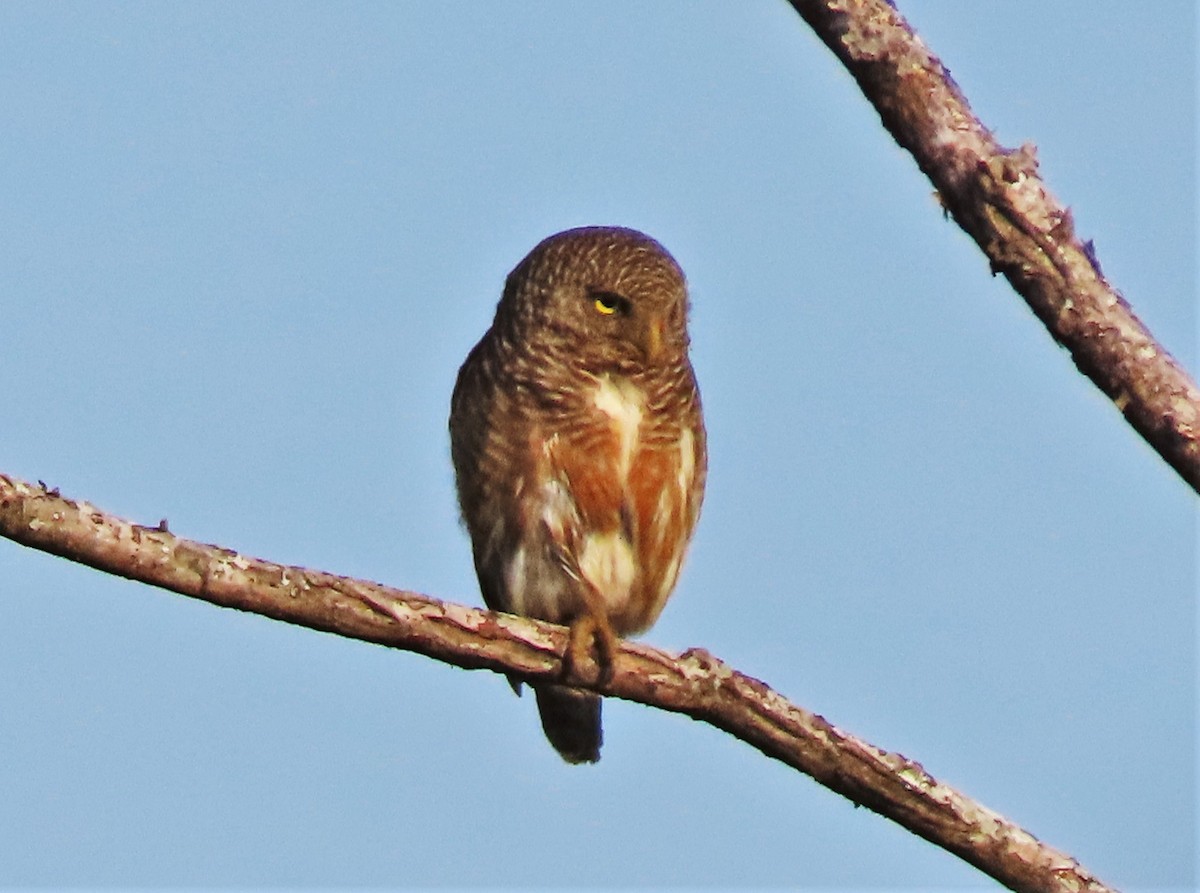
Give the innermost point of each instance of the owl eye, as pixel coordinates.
(608, 302)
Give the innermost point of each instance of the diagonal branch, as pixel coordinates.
(694, 683)
(997, 197)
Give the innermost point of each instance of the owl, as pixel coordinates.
(579, 452)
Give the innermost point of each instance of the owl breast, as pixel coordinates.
(608, 558)
(612, 511)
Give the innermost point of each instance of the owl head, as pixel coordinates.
(611, 296)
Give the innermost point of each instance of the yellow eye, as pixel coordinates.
(608, 302)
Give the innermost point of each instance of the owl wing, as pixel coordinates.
(484, 459)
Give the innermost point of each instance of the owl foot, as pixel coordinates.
(586, 630)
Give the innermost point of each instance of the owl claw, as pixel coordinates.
(584, 631)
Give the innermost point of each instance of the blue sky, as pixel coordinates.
(246, 247)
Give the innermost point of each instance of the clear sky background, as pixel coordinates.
(245, 246)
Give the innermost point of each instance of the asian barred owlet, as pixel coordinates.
(579, 450)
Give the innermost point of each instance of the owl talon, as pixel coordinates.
(585, 631)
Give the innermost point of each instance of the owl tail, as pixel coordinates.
(571, 721)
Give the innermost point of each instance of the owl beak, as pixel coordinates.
(654, 337)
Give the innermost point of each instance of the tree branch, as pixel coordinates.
(997, 197)
(694, 683)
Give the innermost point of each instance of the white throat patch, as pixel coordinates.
(623, 403)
